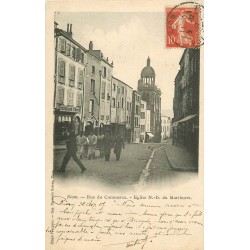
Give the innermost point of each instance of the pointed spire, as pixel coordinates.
(148, 61)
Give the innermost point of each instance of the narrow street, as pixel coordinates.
(134, 169)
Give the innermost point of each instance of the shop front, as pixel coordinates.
(186, 132)
(66, 118)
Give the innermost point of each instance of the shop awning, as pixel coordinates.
(150, 135)
(187, 118)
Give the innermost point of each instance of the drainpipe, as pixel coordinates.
(83, 92)
(100, 73)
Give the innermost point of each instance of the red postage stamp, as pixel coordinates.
(184, 25)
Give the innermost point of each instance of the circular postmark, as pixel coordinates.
(185, 25)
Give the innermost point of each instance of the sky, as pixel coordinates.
(128, 39)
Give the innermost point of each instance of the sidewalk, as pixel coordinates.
(180, 159)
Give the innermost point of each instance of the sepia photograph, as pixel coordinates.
(124, 125)
(126, 109)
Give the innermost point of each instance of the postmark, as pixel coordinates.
(184, 25)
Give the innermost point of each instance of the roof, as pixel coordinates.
(147, 71)
(121, 82)
(64, 33)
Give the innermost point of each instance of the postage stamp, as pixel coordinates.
(184, 24)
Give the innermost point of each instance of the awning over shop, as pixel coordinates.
(150, 135)
(187, 118)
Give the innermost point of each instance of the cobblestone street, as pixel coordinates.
(126, 173)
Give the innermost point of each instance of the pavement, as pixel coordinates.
(180, 159)
(118, 174)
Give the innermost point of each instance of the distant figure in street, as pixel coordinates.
(85, 146)
(79, 140)
(119, 144)
(107, 145)
(82, 140)
(100, 144)
(92, 145)
(71, 152)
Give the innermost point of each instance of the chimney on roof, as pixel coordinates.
(90, 45)
(69, 30)
(107, 59)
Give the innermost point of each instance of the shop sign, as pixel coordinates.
(69, 109)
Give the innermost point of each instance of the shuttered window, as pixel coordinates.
(60, 95)
(71, 75)
(62, 44)
(61, 67)
(109, 74)
(92, 87)
(82, 58)
(91, 106)
(122, 103)
(70, 97)
(80, 79)
(79, 100)
(68, 50)
(104, 72)
(78, 54)
(73, 52)
(61, 71)
(103, 89)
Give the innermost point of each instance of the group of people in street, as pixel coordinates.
(86, 147)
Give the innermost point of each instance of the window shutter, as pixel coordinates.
(79, 100)
(72, 72)
(61, 68)
(68, 50)
(73, 52)
(82, 57)
(102, 71)
(68, 97)
(60, 95)
(79, 75)
(78, 54)
(62, 44)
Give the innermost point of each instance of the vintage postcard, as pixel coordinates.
(124, 125)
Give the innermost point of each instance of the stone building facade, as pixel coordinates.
(186, 101)
(152, 95)
(69, 83)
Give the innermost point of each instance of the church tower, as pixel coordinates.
(152, 95)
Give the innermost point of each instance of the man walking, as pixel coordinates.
(85, 146)
(92, 145)
(71, 152)
(100, 144)
(119, 143)
(80, 138)
(107, 145)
